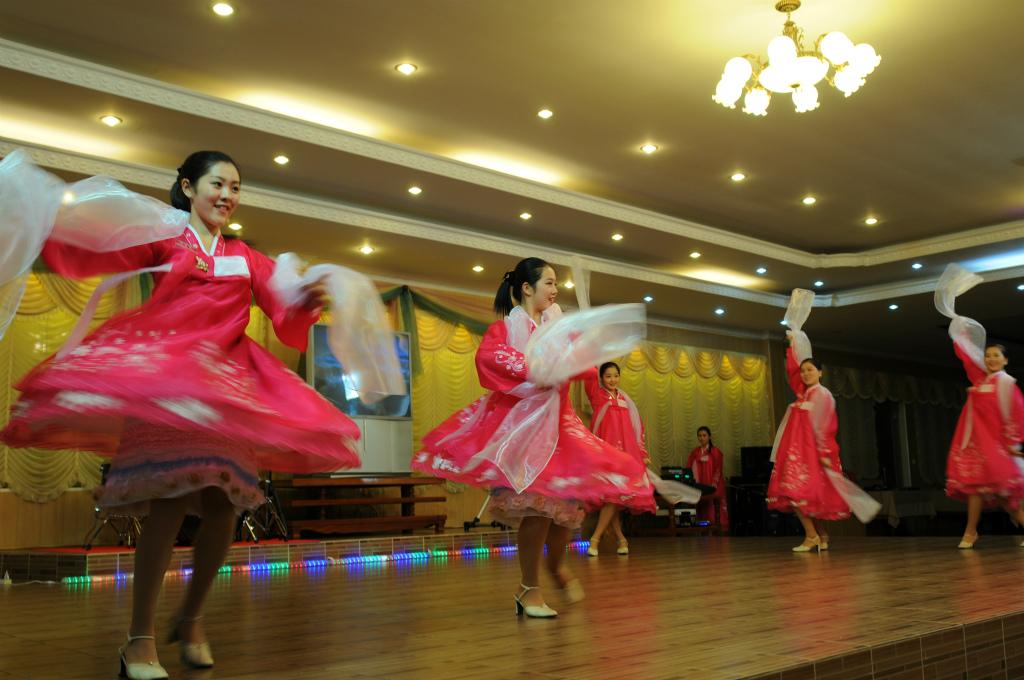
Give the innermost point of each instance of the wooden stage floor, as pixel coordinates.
(689, 608)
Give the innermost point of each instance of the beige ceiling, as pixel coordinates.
(929, 144)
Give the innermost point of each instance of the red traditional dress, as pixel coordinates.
(583, 472)
(990, 426)
(808, 434)
(615, 417)
(174, 391)
(706, 463)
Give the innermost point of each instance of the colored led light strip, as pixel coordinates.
(352, 560)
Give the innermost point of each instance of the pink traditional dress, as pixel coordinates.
(174, 391)
(990, 425)
(615, 417)
(799, 480)
(706, 463)
(582, 472)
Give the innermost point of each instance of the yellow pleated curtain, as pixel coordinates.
(676, 388)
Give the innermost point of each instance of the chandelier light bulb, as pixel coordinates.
(781, 49)
(848, 80)
(836, 47)
(727, 93)
(864, 59)
(737, 70)
(756, 102)
(805, 98)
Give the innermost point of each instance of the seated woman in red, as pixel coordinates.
(706, 463)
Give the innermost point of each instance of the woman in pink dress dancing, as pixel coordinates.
(184, 403)
(477, 445)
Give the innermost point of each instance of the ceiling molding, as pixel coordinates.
(340, 213)
(81, 73)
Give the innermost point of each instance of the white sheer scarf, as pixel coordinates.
(98, 214)
(557, 351)
(360, 335)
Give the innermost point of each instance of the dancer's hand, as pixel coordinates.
(789, 337)
(1015, 450)
(314, 294)
(826, 462)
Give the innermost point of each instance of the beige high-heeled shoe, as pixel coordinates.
(968, 545)
(535, 611)
(824, 541)
(623, 548)
(808, 545)
(193, 655)
(147, 670)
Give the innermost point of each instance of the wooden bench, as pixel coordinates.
(323, 487)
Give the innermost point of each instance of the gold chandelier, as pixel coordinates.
(793, 69)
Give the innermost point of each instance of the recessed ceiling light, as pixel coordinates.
(648, 298)
(738, 177)
(223, 9)
(819, 284)
(893, 307)
(67, 197)
(916, 265)
(783, 322)
(415, 191)
(616, 237)
(111, 120)
(1020, 286)
(719, 311)
(525, 216)
(235, 226)
(809, 200)
(569, 284)
(406, 69)
(478, 269)
(649, 148)
(281, 160)
(366, 250)
(545, 113)
(871, 221)
(695, 255)
(761, 270)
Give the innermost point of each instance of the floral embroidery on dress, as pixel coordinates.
(514, 362)
(190, 409)
(81, 401)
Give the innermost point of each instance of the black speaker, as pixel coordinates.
(755, 465)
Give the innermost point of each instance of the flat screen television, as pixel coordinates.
(327, 376)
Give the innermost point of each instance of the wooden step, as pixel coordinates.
(362, 525)
(367, 500)
(303, 482)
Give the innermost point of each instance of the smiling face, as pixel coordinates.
(214, 195)
(610, 378)
(703, 437)
(995, 359)
(541, 295)
(810, 374)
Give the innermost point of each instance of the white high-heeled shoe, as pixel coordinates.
(808, 545)
(542, 611)
(147, 670)
(193, 655)
(967, 545)
(623, 548)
